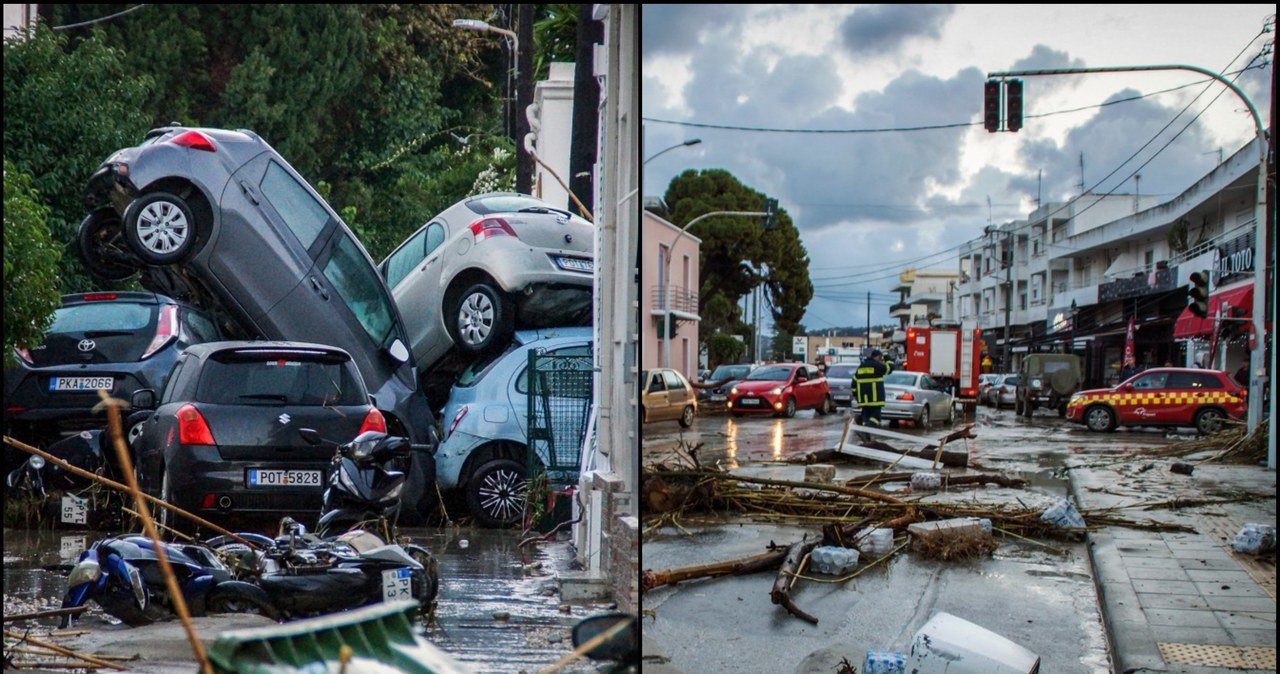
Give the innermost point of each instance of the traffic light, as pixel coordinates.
(1013, 105)
(770, 218)
(1198, 295)
(991, 105)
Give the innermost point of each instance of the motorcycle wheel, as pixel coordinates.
(234, 596)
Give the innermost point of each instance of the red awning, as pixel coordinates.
(1190, 325)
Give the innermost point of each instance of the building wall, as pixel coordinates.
(657, 236)
(553, 101)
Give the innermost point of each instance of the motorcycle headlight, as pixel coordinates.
(36, 462)
(87, 571)
(360, 449)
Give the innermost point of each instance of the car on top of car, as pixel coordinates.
(486, 266)
(667, 396)
(115, 341)
(781, 389)
(219, 218)
(224, 435)
(1166, 396)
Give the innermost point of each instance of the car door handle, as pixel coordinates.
(316, 285)
(430, 261)
(248, 192)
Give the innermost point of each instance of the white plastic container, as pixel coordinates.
(884, 662)
(874, 543)
(926, 482)
(984, 523)
(831, 560)
(1063, 514)
(1254, 539)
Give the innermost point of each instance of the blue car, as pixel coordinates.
(484, 454)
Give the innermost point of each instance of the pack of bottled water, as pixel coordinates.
(1063, 514)
(1254, 539)
(832, 560)
(884, 662)
(874, 543)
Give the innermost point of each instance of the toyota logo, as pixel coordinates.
(87, 345)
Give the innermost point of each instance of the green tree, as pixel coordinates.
(724, 348)
(66, 110)
(30, 264)
(737, 253)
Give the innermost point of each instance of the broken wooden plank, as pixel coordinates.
(893, 457)
(781, 592)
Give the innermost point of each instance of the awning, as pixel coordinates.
(1190, 325)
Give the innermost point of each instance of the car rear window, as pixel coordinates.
(113, 332)
(281, 379)
(505, 203)
(1051, 366)
(900, 379)
(840, 372)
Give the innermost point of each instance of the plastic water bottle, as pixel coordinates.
(1254, 539)
(1063, 514)
(884, 662)
(832, 560)
(874, 543)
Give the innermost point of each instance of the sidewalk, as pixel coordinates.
(1182, 602)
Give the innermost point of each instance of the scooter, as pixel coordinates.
(621, 646)
(45, 482)
(123, 575)
(362, 490)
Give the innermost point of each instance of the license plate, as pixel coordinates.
(258, 477)
(717, 398)
(749, 402)
(397, 584)
(576, 264)
(81, 383)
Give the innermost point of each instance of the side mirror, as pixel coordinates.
(143, 399)
(1128, 387)
(398, 351)
(622, 641)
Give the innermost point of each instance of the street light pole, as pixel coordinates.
(513, 75)
(1258, 377)
(687, 143)
(666, 274)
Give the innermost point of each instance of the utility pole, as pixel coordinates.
(1008, 297)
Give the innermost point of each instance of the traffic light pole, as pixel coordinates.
(1259, 369)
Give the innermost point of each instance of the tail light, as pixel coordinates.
(194, 140)
(1004, 390)
(374, 421)
(457, 418)
(24, 355)
(489, 227)
(208, 501)
(192, 429)
(166, 330)
(906, 396)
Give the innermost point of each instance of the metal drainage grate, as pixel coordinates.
(1208, 655)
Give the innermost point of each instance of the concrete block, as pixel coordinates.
(824, 473)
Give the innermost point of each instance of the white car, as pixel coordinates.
(487, 265)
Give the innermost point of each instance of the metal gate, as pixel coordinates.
(560, 393)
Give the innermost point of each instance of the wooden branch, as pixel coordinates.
(735, 567)
(848, 491)
(46, 614)
(781, 593)
(62, 651)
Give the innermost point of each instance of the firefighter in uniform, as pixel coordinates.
(868, 381)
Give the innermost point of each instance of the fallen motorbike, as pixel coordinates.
(620, 642)
(46, 483)
(123, 575)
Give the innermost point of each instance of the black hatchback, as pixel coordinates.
(116, 341)
(224, 436)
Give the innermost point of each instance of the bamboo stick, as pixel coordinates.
(62, 651)
(53, 613)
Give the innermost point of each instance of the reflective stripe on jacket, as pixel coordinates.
(868, 381)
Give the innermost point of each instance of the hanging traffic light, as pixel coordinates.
(1198, 294)
(991, 105)
(1013, 105)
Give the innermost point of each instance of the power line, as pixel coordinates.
(100, 20)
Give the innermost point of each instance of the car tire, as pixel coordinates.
(789, 410)
(1209, 420)
(160, 228)
(924, 418)
(686, 416)
(234, 596)
(644, 415)
(827, 406)
(495, 493)
(480, 319)
(1100, 418)
(951, 412)
(167, 517)
(103, 250)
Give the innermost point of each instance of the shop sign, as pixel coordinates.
(1232, 259)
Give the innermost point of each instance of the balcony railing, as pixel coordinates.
(681, 300)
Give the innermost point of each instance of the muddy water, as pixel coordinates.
(499, 607)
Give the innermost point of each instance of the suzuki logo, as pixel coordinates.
(284, 419)
(87, 345)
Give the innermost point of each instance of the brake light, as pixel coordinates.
(457, 418)
(194, 140)
(24, 355)
(98, 297)
(208, 501)
(906, 396)
(487, 227)
(192, 429)
(373, 421)
(166, 330)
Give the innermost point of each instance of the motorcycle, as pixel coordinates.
(620, 644)
(45, 483)
(362, 490)
(123, 575)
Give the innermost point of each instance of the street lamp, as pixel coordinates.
(666, 274)
(691, 141)
(513, 71)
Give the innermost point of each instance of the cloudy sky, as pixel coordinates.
(890, 190)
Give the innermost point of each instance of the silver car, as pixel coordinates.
(487, 265)
(1003, 392)
(917, 397)
(840, 380)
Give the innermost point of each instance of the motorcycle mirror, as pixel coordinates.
(621, 643)
(309, 435)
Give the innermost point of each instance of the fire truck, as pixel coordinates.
(952, 355)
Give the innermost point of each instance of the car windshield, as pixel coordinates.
(901, 379)
(771, 373)
(729, 372)
(840, 371)
(359, 287)
(283, 380)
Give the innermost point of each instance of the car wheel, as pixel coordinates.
(923, 421)
(1100, 418)
(951, 412)
(686, 417)
(827, 406)
(235, 596)
(495, 493)
(644, 415)
(1209, 420)
(160, 228)
(102, 247)
(480, 319)
(789, 410)
(167, 517)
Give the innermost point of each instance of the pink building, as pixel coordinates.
(669, 283)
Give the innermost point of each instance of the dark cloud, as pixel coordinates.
(676, 29)
(880, 30)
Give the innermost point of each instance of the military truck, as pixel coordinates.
(1047, 380)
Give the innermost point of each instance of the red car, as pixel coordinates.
(1166, 396)
(781, 389)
